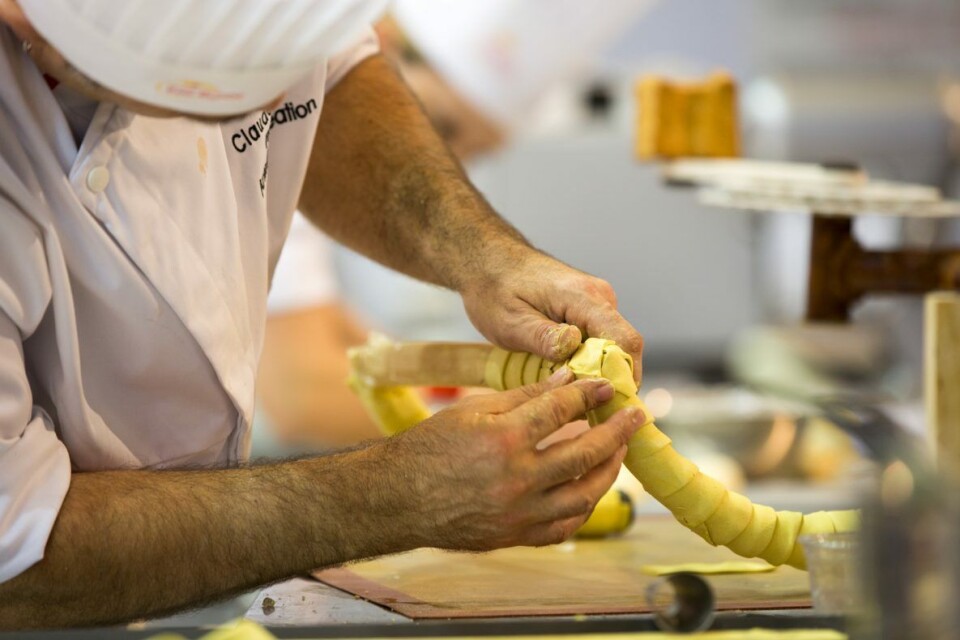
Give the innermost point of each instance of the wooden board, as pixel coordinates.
(577, 577)
(942, 374)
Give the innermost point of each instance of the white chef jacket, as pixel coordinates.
(133, 282)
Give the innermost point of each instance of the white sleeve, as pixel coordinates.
(34, 464)
(304, 276)
(339, 65)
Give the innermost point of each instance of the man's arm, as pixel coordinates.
(136, 544)
(381, 181)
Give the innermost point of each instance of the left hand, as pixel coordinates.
(543, 306)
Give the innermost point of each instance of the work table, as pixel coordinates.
(307, 608)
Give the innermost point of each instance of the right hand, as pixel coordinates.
(475, 479)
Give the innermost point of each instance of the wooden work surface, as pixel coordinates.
(577, 577)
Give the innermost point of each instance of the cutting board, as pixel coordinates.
(573, 578)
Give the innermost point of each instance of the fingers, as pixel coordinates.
(567, 508)
(580, 496)
(505, 401)
(554, 532)
(554, 408)
(564, 340)
(538, 334)
(571, 459)
(592, 306)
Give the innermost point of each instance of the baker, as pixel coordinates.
(136, 249)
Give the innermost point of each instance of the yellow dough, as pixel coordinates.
(235, 630)
(706, 568)
(394, 409)
(726, 523)
(700, 503)
(719, 516)
(756, 534)
(613, 514)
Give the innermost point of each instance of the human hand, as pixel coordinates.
(545, 307)
(475, 479)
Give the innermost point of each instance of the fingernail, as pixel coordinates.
(636, 416)
(563, 341)
(562, 374)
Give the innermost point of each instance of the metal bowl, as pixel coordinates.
(756, 431)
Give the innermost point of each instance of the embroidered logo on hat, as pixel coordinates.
(197, 90)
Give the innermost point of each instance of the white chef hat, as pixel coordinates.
(205, 57)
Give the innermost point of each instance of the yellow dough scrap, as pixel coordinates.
(730, 519)
(707, 568)
(758, 533)
(697, 501)
(239, 630)
(784, 537)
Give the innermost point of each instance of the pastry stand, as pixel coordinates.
(842, 271)
(694, 129)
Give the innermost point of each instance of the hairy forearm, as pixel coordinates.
(382, 181)
(136, 544)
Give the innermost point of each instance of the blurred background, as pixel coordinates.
(537, 99)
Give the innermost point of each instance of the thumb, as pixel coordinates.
(548, 339)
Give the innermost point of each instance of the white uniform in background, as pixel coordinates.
(133, 284)
(305, 276)
(504, 55)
